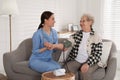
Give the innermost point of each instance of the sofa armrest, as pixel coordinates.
(8, 60)
(11, 57)
(111, 69)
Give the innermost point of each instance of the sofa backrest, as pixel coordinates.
(25, 49)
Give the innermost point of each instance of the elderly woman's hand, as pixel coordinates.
(84, 68)
(58, 46)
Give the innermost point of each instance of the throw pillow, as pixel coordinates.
(105, 54)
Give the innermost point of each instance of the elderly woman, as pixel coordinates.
(86, 50)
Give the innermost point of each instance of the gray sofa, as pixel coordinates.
(16, 63)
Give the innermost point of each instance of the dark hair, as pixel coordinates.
(45, 15)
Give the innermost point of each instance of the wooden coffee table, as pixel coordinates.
(51, 76)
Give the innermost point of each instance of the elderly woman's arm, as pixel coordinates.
(96, 53)
(94, 58)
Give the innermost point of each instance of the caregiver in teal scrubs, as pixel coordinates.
(45, 41)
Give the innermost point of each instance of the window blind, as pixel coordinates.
(111, 21)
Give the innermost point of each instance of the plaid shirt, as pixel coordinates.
(94, 47)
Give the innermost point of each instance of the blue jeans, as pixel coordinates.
(44, 65)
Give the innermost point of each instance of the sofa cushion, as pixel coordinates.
(23, 68)
(56, 55)
(105, 54)
(99, 74)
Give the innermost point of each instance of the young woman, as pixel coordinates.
(45, 41)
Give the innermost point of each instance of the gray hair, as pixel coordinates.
(89, 17)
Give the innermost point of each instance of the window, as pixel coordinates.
(111, 21)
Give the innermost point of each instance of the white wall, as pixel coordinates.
(23, 25)
(92, 7)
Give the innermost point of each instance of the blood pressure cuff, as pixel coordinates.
(67, 43)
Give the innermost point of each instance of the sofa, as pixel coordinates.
(16, 63)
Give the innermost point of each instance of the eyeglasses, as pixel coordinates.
(83, 20)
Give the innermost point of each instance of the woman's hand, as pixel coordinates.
(48, 45)
(43, 49)
(54, 46)
(58, 46)
(84, 68)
